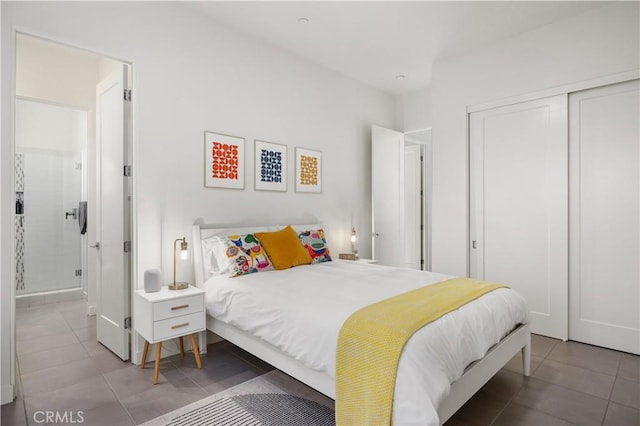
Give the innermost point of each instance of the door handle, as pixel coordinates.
(474, 244)
(96, 246)
(375, 234)
(73, 214)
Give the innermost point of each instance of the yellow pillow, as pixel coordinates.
(284, 248)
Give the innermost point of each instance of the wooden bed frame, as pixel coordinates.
(474, 377)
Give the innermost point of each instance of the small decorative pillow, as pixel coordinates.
(315, 243)
(240, 255)
(284, 248)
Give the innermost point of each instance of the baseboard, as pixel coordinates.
(91, 310)
(8, 394)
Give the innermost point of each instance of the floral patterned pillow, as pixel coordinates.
(240, 255)
(315, 243)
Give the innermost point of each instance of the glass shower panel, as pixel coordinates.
(51, 236)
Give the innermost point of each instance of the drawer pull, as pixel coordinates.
(179, 325)
(175, 308)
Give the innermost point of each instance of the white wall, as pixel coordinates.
(55, 73)
(51, 127)
(192, 75)
(414, 110)
(598, 43)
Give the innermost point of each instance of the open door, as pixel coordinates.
(387, 195)
(112, 214)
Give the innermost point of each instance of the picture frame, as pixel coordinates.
(270, 166)
(308, 170)
(224, 161)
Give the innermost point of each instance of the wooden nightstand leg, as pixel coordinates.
(156, 369)
(144, 353)
(196, 352)
(181, 345)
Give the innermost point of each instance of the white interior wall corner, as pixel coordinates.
(417, 110)
(600, 42)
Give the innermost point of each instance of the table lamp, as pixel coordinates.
(184, 253)
(354, 242)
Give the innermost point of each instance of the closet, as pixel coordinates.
(554, 210)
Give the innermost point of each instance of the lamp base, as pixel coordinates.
(178, 286)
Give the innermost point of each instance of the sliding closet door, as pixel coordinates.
(518, 205)
(605, 185)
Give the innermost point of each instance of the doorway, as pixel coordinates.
(401, 194)
(65, 158)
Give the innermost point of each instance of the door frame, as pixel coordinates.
(7, 174)
(427, 188)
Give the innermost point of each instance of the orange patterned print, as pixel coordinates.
(225, 161)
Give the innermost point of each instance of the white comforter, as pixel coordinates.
(301, 310)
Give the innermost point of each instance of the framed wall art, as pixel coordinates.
(270, 166)
(308, 170)
(223, 161)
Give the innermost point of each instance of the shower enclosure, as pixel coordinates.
(50, 146)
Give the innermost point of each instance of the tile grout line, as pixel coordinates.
(24, 405)
(587, 368)
(615, 380)
(117, 398)
(554, 384)
(521, 386)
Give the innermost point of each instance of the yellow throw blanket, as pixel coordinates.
(371, 341)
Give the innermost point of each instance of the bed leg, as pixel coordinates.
(526, 359)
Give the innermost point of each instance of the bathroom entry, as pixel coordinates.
(51, 142)
(72, 143)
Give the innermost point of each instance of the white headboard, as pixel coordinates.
(202, 231)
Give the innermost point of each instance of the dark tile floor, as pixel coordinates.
(63, 368)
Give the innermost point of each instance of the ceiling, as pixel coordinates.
(373, 42)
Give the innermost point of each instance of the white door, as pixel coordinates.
(604, 260)
(518, 205)
(413, 206)
(387, 195)
(112, 214)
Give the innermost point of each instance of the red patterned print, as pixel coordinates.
(225, 161)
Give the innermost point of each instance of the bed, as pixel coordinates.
(291, 318)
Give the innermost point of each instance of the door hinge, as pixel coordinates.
(127, 95)
(78, 272)
(127, 323)
(422, 227)
(127, 171)
(127, 246)
(421, 158)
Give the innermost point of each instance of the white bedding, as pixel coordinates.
(301, 310)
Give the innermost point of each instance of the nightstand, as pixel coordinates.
(167, 314)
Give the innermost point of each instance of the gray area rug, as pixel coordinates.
(273, 399)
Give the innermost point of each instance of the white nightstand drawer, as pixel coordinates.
(178, 307)
(178, 326)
